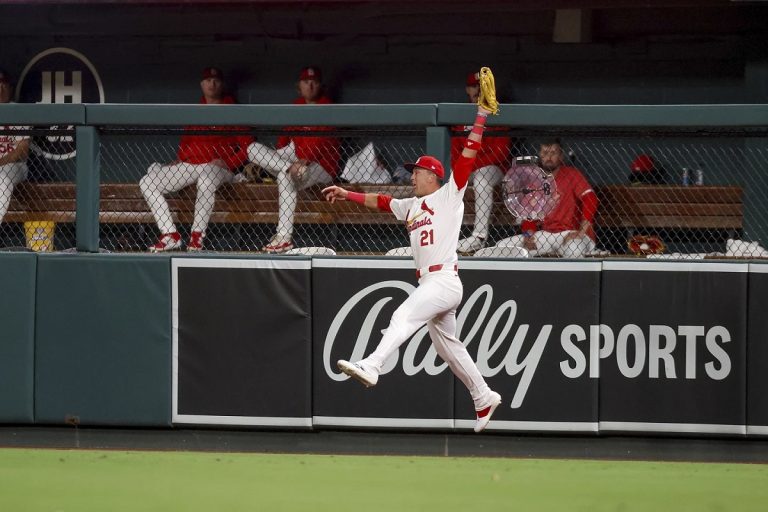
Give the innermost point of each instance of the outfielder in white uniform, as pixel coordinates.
(14, 150)
(433, 219)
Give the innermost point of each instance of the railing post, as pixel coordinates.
(87, 189)
(439, 145)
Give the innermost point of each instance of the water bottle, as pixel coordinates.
(686, 177)
(698, 176)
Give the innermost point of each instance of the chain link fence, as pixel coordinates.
(37, 188)
(671, 194)
(262, 203)
(660, 193)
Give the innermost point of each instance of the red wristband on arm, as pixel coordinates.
(472, 144)
(528, 226)
(479, 125)
(356, 197)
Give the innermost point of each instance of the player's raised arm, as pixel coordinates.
(486, 104)
(373, 201)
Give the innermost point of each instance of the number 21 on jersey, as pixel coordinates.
(427, 237)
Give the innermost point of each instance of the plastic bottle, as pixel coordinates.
(686, 177)
(698, 176)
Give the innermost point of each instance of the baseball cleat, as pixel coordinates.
(471, 244)
(484, 415)
(195, 241)
(167, 242)
(278, 245)
(355, 370)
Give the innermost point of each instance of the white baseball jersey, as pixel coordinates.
(434, 221)
(8, 142)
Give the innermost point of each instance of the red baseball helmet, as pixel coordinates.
(429, 163)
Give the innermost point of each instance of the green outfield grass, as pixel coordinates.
(82, 481)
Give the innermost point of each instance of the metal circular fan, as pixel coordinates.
(529, 192)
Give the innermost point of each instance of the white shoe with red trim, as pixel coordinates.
(279, 244)
(484, 415)
(195, 241)
(167, 242)
(358, 371)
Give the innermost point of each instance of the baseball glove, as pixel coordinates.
(487, 98)
(644, 245)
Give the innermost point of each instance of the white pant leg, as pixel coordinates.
(512, 241)
(315, 175)
(287, 198)
(210, 178)
(552, 243)
(442, 330)
(274, 161)
(10, 175)
(577, 247)
(437, 293)
(484, 180)
(161, 179)
(548, 243)
(288, 195)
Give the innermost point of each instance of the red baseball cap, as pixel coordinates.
(311, 73)
(642, 163)
(213, 73)
(429, 163)
(473, 79)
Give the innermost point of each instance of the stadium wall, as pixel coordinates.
(585, 347)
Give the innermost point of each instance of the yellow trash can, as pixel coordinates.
(39, 234)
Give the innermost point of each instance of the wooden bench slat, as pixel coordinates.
(682, 210)
(624, 195)
(629, 207)
(661, 222)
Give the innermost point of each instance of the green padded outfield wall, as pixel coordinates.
(17, 336)
(103, 340)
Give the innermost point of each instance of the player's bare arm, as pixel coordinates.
(476, 135)
(486, 104)
(335, 193)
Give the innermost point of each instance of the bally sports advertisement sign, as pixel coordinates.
(583, 346)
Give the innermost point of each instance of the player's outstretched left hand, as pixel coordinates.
(333, 193)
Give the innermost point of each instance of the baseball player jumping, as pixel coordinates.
(433, 219)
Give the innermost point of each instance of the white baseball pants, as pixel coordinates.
(434, 302)
(484, 181)
(277, 162)
(10, 175)
(162, 179)
(552, 243)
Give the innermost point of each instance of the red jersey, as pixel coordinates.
(494, 151)
(323, 150)
(201, 149)
(568, 213)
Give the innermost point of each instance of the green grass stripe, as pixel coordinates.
(83, 481)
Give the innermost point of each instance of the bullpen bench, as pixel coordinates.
(628, 209)
(242, 203)
(656, 207)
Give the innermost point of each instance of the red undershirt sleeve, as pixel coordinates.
(382, 202)
(461, 171)
(589, 206)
